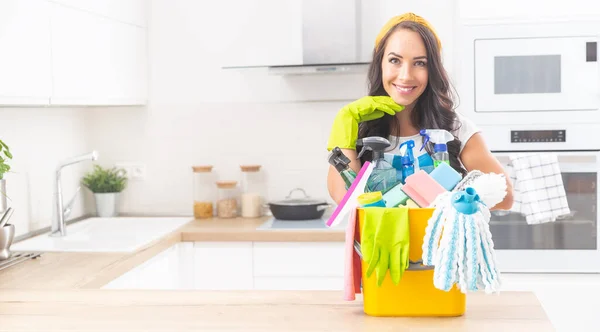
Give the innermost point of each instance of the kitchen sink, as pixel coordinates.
(120, 234)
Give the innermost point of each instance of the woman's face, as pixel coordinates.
(404, 67)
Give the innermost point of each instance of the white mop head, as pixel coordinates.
(490, 187)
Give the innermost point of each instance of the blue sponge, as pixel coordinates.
(446, 176)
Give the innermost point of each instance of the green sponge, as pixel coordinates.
(395, 196)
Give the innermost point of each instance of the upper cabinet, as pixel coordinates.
(126, 11)
(78, 53)
(25, 70)
(96, 60)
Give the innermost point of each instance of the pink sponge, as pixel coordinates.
(422, 188)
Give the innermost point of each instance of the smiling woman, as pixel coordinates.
(407, 68)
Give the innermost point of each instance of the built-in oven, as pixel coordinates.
(570, 243)
(529, 73)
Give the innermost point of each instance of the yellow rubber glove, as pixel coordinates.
(344, 131)
(385, 239)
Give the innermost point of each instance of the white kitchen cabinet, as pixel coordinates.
(126, 11)
(25, 75)
(223, 265)
(171, 269)
(96, 60)
(241, 266)
(298, 259)
(298, 265)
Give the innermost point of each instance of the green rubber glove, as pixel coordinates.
(344, 131)
(385, 240)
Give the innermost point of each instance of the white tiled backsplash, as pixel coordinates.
(170, 139)
(39, 139)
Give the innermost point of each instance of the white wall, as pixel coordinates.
(200, 114)
(39, 139)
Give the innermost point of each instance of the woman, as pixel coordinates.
(407, 67)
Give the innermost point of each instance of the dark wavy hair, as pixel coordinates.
(433, 110)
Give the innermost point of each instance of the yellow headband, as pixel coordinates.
(401, 18)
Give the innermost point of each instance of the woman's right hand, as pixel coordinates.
(344, 131)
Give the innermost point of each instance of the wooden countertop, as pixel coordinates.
(61, 291)
(110, 310)
(93, 270)
(245, 229)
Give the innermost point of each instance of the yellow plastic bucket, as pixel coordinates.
(415, 295)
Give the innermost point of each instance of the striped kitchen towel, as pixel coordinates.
(539, 193)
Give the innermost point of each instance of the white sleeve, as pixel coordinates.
(466, 129)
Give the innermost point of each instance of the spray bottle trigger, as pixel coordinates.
(425, 139)
(365, 148)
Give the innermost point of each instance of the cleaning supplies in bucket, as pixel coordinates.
(349, 201)
(440, 138)
(371, 199)
(338, 159)
(383, 177)
(385, 240)
(422, 188)
(458, 242)
(407, 159)
(490, 187)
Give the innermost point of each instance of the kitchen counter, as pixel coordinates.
(61, 291)
(245, 229)
(86, 310)
(93, 270)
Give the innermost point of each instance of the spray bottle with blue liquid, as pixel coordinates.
(407, 159)
(440, 138)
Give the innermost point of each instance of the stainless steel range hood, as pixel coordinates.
(331, 40)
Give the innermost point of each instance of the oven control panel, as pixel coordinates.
(538, 136)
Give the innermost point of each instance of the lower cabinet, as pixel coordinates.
(222, 265)
(298, 265)
(170, 269)
(241, 266)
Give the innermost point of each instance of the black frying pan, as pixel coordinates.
(298, 208)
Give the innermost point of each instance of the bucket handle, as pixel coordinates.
(418, 266)
(412, 266)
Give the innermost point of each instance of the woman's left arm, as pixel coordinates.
(476, 156)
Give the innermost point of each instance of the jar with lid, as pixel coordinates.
(204, 191)
(227, 199)
(253, 191)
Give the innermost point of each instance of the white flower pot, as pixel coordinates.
(107, 204)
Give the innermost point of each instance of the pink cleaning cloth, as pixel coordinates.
(352, 264)
(422, 188)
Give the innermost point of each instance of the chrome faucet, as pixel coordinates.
(62, 213)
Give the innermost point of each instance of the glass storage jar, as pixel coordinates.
(227, 199)
(204, 192)
(253, 191)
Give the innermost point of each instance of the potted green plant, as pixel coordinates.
(5, 154)
(106, 184)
